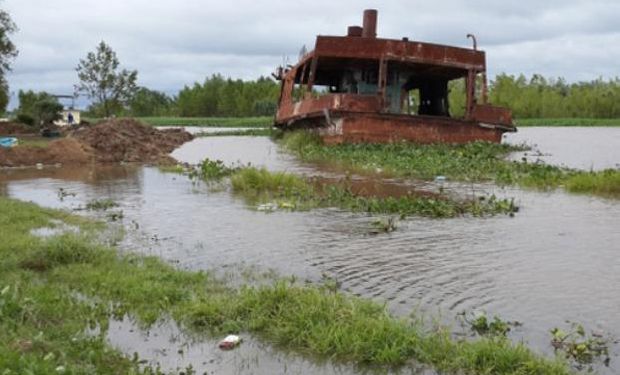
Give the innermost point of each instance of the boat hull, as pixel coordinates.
(354, 127)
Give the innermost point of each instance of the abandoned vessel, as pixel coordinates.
(360, 88)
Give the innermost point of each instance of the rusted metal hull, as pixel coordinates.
(360, 88)
(355, 127)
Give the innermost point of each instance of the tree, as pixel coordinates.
(103, 82)
(150, 103)
(38, 108)
(8, 52)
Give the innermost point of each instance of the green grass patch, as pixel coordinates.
(261, 132)
(174, 168)
(43, 322)
(223, 122)
(568, 122)
(604, 183)
(101, 204)
(282, 190)
(34, 142)
(473, 162)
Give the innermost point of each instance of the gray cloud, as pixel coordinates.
(173, 44)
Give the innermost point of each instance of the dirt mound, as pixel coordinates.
(15, 128)
(129, 140)
(63, 151)
(113, 141)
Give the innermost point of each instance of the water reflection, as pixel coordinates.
(167, 345)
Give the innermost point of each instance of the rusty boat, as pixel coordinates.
(360, 88)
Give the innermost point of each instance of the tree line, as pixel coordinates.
(533, 97)
(540, 97)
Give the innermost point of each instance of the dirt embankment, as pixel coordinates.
(113, 141)
(15, 128)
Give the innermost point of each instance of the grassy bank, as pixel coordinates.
(53, 289)
(281, 190)
(265, 132)
(474, 162)
(220, 122)
(568, 122)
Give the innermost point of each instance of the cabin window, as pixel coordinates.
(417, 89)
(345, 76)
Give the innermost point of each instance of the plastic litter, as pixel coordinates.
(267, 207)
(440, 179)
(229, 342)
(8, 142)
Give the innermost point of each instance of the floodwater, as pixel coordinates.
(556, 261)
(206, 129)
(587, 148)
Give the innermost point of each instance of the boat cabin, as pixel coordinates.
(361, 88)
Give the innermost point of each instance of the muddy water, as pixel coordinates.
(557, 260)
(585, 148)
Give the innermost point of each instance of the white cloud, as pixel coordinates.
(177, 43)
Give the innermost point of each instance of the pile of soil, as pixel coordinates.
(112, 141)
(15, 128)
(129, 140)
(63, 151)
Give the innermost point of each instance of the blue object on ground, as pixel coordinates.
(8, 142)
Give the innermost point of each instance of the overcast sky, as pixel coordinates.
(175, 43)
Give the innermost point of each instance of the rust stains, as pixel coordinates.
(360, 88)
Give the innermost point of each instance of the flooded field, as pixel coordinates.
(556, 261)
(587, 148)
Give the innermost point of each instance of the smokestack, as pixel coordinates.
(370, 23)
(354, 31)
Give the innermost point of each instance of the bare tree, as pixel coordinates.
(103, 82)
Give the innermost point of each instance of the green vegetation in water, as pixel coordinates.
(580, 347)
(101, 204)
(604, 183)
(63, 193)
(53, 289)
(568, 122)
(485, 326)
(472, 162)
(384, 225)
(272, 190)
(174, 168)
(210, 170)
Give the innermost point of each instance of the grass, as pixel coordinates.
(240, 132)
(568, 122)
(101, 204)
(43, 323)
(221, 122)
(34, 141)
(473, 162)
(289, 191)
(605, 183)
(174, 168)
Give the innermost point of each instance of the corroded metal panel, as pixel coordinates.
(345, 111)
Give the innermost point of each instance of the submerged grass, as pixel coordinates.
(473, 162)
(290, 191)
(43, 323)
(568, 122)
